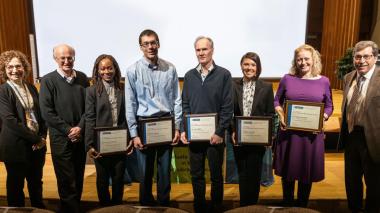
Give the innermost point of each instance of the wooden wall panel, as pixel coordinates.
(340, 30)
(15, 27)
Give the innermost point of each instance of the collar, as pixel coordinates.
(17, 84)
(61, 73)
(108, 85)
(149, 65)
(249, 83)
(368, 75)
(199, 68)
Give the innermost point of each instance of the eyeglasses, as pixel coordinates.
(151, 43)
(17, 66)
(359, 57)
(69, 59)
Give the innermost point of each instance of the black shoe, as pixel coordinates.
(149, 203)
(217, 208)
(287, 203)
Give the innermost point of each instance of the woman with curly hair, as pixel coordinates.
(22, 139)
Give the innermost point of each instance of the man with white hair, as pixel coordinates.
(62, 101)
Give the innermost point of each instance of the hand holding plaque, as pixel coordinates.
(111, 140)
(253, 130)
(156, 131)
(200, 127)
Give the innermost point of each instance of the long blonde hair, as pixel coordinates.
(316, 69)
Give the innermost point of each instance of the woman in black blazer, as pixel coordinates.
(22, 138)
(252, 97)
(105, 107)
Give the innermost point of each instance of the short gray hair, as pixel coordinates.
(204, 37)
(364, 44)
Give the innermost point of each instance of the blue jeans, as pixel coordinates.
(146, 159)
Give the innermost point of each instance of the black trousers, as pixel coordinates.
(303, 193)
(69, 163)
(110, 167)
(32, 171)
(214, 153)
(249, 162)
(357, 163)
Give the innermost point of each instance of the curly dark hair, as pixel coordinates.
(97, 79)
(6, 57)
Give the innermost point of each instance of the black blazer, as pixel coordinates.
(16, 139)
(263, 100)
(98, 112)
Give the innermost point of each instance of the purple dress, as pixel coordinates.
(299, 155)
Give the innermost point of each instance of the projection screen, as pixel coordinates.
(271, 28)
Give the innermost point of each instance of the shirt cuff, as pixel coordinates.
(133, 133)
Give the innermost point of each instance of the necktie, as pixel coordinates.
(354, 105)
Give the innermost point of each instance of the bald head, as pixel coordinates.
(64, 56)
(63, 47)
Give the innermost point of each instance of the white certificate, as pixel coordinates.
(111, 141)
(304, 115)
(254, 131)
(158, 132)
(200, 128)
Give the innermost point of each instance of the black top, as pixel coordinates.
(63, 103)
(263, 99)
(213, 95)
(16, 139)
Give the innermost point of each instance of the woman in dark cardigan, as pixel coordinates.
(22, 138)
(105, 107)
(252, 97)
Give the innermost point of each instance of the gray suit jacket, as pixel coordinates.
(371, 117)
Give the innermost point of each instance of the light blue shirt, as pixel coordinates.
(151, 91)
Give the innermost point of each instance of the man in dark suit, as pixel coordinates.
(62, 100)
(360, 127)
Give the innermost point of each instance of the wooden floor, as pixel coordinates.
(332, 187)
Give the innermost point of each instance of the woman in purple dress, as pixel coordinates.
(299, 155)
